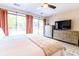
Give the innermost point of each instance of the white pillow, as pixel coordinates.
(1, 33)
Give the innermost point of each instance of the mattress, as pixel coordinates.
(29, 45)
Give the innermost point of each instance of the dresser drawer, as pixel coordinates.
(68, 36)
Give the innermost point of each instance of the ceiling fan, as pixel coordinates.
(46, 5)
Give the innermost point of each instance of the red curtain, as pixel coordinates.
(4, 20)
(29, 24)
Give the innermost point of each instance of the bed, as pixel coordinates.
(30, 45)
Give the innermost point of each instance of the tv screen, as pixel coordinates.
(65, 24)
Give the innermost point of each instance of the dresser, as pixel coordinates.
(67, 36)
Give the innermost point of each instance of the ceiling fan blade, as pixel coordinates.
(51, 6)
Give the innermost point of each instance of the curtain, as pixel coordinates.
(29, 24)
(4, 20)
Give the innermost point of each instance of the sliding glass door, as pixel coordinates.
(38, 26)
(35, 26)
(41, 25)
(16, 24)
(12, 23)
(21, 24)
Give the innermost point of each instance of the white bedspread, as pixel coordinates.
(28, 46)
(19, 47)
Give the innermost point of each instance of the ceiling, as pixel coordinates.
(36, 8)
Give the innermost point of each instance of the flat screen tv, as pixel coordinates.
(63, 25)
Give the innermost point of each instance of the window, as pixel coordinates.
(38, 26)
(16, 24)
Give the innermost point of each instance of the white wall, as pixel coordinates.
(73, 15)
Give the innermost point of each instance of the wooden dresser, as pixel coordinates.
(67, 36)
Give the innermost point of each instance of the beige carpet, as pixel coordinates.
(71, 50)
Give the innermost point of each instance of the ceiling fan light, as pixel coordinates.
(45, 5)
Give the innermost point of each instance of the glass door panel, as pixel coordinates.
(21, 25)
(12, 23)
(41, 27)
(16, 24)
(35, 26)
